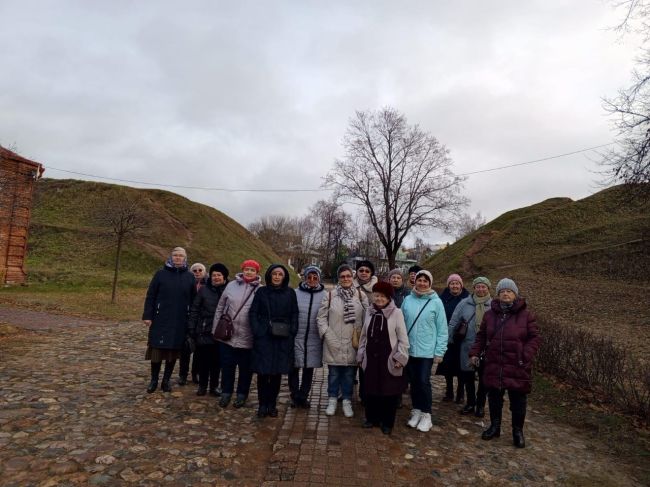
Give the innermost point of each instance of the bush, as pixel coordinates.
(595, 363)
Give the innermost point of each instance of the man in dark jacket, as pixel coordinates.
(510, 338)
(200, 329)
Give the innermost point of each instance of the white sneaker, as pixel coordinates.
(347, 408)
(416, 414)
(425, 423)
(331, 406)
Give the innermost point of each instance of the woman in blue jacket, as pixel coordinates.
(426, 324)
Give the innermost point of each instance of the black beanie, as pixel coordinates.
(415, 268)
(219, 267)
(366, 263)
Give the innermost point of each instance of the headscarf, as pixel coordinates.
(170, 263)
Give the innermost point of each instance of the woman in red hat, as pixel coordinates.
(383, 353)
(235, 352)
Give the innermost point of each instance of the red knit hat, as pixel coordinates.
(251, 263)
(384, 288)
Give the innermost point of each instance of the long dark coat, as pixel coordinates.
(202, 313)
(167, 305)
(450, 364)
(273, 355)
(511, 341)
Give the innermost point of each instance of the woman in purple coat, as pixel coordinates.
(510, 338)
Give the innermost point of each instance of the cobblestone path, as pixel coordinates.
(73, 411)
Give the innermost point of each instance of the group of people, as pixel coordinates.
(385, 335)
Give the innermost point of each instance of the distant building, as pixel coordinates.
(17, 177)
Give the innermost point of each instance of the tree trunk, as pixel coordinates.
(117, 267)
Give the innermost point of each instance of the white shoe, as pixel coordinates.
(331, 406)
(425, 423)
(347, 408)
(416, 414)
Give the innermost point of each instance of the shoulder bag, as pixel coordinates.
(279, 329)
(225, 328)
(416, 318)
(460, 332)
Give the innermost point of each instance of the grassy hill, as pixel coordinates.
(584, 263)
(69, 250)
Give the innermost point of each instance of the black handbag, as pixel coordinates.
(460, 332)
(279, 329)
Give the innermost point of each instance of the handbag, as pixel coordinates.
(460, 332)
(279, 329)
(225, 328)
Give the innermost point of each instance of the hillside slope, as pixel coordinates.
(584, 263)
(67, 245)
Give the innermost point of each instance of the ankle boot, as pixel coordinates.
(518, 437)
(494, 431)
(167, 375)
(460, 393)
(155, 372)
(449, 392)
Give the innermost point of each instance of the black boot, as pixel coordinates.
(155, 372)
(494, 431)
(518, 419)
(167, 375)
(460, 393)
(449, 392)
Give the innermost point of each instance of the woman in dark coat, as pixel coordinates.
(166, 310)
(453, 294)
(383, 353)
(272, 354)
(200, 329)
(510, 338)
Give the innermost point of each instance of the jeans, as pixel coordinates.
(231, 358)
(300, 392)
(419, 373)
(340, 377)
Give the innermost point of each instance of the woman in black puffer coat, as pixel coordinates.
(273, 355)
(200, 329)
(166, 309)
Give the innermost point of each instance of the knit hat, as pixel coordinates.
(343, 267)
(454, 277)
(426, 274)
(395, 272)
(415, 268)
(366, 263)
(311, 269)
(482, 280)
(219, 267)
(507, 283)
(197, 265)
(384, 288)
(251, 263)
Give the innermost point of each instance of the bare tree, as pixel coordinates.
(124, 217)
(331, 225)
(629, 161)
(399, 174)
(467, 224)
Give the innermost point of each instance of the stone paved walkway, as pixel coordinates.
(73, 411)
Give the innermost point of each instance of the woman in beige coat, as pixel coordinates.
(340, 314)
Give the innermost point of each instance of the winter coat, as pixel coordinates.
(167, 305)
(273, 354)
(308, 345)
(202, 313)
(428, 336)
(466, 310)
(336, 334)
(449, 301)
(400, 294)
(451, 361)
(399, 341)
(367, 287)
(231, 300)
(510, 341)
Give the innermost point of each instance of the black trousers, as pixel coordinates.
(467, 380)
(381, 410)
(207, 358)
(184, 366)
(268, 388)
(518, 401)
(481, 394)
(300, 389)
(231, 360)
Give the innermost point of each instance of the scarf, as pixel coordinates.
(428, 292)
(506, 308)
(170, 263)
(304, 287)
(347, 294)
(480, 308)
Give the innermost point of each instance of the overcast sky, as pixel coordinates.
(259, 94)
